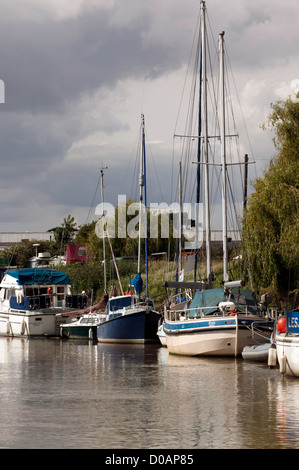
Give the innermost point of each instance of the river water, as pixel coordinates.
(60, 394)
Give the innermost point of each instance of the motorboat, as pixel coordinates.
(84, 327)
(35, 301)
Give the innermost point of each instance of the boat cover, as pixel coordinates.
(137, 283)
(212, 298)
(39, 276)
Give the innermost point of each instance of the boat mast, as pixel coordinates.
(103, 224)
(141, 185)
(181, 236)
(205, 138)
(145, 221)
(223, 157)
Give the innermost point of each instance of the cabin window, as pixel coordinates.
(10, 292)
(60, 292)
(2, 294)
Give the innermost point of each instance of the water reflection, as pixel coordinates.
(64, 394)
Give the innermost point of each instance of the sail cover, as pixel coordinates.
(210, 299)
(39, 276)
(137, 283)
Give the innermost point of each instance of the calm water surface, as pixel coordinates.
(73, 395)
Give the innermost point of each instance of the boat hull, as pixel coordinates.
(214, 336)
(140, 326)
(161, 335)
(288, 354)
(28, 324)
(256, 352)
(78, 332)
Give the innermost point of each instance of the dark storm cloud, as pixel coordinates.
(44, 65)
(70, 81)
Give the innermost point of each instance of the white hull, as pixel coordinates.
(220, 343)
(28, 324)
(162, 336)
(288, 354)
(214, 340)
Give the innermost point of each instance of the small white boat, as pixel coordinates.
(83, 328)
(256, 352)
(161, 335)
(287, 343)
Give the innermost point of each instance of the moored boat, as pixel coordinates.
(33, 301)
(216, 322)
(129, 319)
(256, 352)
(132, 318)
(161, 335)
(287, 343)
(84, 327)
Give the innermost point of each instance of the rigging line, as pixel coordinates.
(197, 28)
(238, 99)
(233, 202)
(154, 166)
(190, 114)
(93, 199)
(134, 188)
(125, 178)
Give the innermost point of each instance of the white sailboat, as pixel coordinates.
(222, 321)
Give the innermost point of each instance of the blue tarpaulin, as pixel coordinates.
(39, 276)
(137, 283)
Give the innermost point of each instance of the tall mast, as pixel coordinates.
(198, 174)
(223, 157)
(180, 217)
(145, 221)
(205, 138)
(103, 224)
(141, 185)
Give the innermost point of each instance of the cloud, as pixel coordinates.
(78, 74)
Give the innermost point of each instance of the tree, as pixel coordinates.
(270, 238)
(65, 234)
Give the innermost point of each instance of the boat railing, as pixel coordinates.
(182, 314)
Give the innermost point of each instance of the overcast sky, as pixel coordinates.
(79, 73)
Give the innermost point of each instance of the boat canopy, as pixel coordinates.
(243, 299)
(39, 276)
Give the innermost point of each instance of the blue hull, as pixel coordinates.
(138, 327)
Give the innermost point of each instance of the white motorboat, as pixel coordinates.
(84, 327)
(32, 302)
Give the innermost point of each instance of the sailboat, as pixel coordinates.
(132, 318)
(215, 321)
